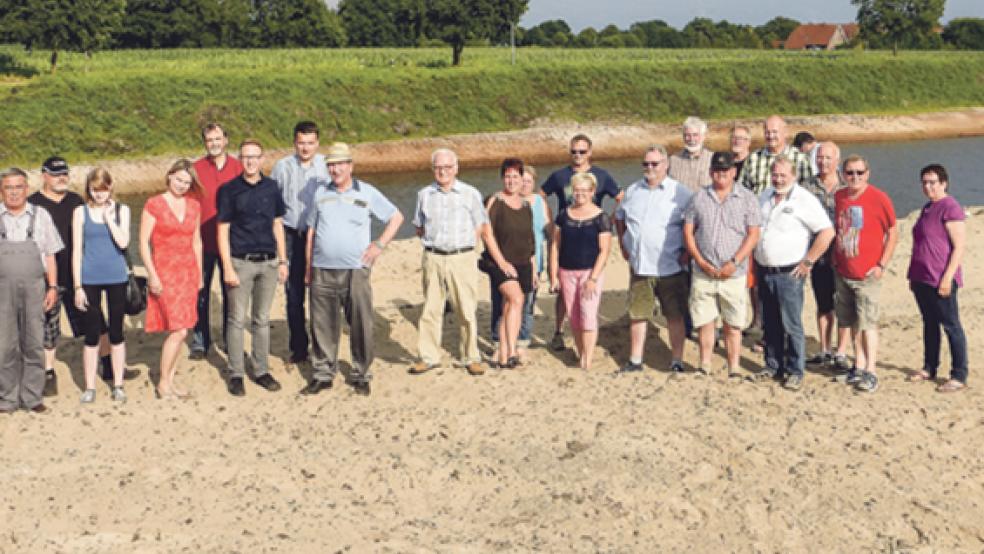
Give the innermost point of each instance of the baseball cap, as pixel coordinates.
(722, 161)
(55, 165)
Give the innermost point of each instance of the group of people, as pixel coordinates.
(707, 235)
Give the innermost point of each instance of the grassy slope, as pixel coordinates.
(136, 103)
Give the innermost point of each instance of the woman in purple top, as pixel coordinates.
(934, 276)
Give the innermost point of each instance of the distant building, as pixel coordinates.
(820, 36)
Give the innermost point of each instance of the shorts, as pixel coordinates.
(822, 280)
(52, 318)
(671, 291)
(524, 274)
(856, 302)
(710, 298)
(583, 312)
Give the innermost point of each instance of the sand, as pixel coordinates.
(547, 457)
(546, 142)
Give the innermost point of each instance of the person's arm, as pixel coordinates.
(554, 259)
(820, 244)
(620, 229)
(309, 256)
(196, 246)
(375, 248)
(956, 229)
(51, 278)
(488, 237)
(121, 232)
(225, 254)
(281, 240)
(891, 239)
(752, 233)
(691, 243)
(591, 284)
(78, 245)
(147, 223)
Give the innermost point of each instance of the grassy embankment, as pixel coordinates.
(131, 104)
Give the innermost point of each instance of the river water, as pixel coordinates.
(894, 168)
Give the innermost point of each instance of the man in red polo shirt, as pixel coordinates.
(214, 169)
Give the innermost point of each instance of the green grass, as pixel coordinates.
(136, 103)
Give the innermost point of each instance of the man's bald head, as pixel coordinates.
(774, 131)
(828, 158)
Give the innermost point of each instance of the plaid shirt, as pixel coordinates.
(693, 172)
(720, 226)
(756, 175)
(815, 186)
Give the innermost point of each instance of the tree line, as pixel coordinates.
(90, 25)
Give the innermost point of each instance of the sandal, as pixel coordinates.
(951, 386)
(919, 376)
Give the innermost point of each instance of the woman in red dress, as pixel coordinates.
(171, 248)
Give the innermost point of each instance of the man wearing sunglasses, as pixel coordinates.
(866, 237)
(649, 221)
(559, 185)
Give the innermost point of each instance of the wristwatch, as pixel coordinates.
(379, 244)
(807, 262)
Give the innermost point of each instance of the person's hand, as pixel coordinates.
(684, 258)
(801, 270)
(535, 280)
(308, 276)
(371, 253)
(81, 301)
(508, 269)
(554, 284)
(590, 289)
(231, 278)
(946, 288)
(154, 285)
(50, 298)
(708, 269)
(727, 270)
(282, 273)
(875, 272)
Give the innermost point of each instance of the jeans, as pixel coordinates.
(781, 295)
(201, 339)
(257, 285)
(526, 326)
(936, 312)
(296, 290)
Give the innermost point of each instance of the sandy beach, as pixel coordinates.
(546, 457)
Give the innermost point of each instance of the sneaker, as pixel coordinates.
(676, 367)
(362, 388)
(50, 384)
(701, 372)
(841, 363)
(868, 382)
(118, 395)
(268, 382)
(823, 358)
(196, 354)
(850, 377)
(630, 367)
(793, 382)
(557, 342)
(764, 374)
(88, 396)
(235, 386)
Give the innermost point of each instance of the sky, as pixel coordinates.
(599, 13)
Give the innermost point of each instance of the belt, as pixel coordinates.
(255, 256)
(448, 252)
(772, 270)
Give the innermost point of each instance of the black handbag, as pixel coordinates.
(135, 295)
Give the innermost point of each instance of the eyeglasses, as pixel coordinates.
(443, 167)
(855, 172)
(246, 158)
(578, 152)
(651, 164)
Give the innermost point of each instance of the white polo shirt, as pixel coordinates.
(788, 227)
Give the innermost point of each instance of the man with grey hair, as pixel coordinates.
(28, 288)
(449, 217)
(650, 230)
(692, 165)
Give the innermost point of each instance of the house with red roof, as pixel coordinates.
(820, 36)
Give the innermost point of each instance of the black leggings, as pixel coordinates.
(92, 317)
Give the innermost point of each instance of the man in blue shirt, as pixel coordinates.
(254, 260)
(650, 228)
(298, 176)
(340, 254)
(559, 185)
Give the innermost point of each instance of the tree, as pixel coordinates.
(188, 24)
(458, 21)
(59, 25)
(381, 22)
(547, 33)
(298, 23)
(587, 38)
(776, 29)
(965, 33)
(657, 33)
(905, 23)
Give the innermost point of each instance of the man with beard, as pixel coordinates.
(692, 165)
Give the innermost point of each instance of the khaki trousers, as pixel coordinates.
(456, 277)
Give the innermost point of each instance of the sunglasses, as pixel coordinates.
(651, 164)
(578, 152)
(855, 172)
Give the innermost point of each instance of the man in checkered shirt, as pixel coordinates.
(756, 173)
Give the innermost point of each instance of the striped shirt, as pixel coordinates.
(720, 226)
(756, 174)
(298, 184)
(693, 171)
(816, 187)
(449, 219)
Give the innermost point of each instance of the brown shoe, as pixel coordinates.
(40, 409)
(475, 368)
(422, 367)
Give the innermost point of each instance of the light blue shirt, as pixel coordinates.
(449, 219)
(297, 185)
(653, 220)
(342, 223)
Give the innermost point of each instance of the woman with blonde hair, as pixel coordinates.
(171, 249)
(101, 233)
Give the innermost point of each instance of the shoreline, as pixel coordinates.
(545, 143)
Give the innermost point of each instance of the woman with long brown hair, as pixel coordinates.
(171, 249)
